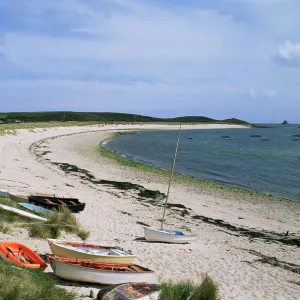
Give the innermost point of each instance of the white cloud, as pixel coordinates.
(288, 54)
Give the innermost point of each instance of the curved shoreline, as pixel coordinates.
(113, 215)
(181, 178)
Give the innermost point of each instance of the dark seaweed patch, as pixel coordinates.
(268, 236)
(121, 185)
(273, 261)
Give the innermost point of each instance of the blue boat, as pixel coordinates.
(38, 209)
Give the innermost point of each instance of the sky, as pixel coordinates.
(217, 58)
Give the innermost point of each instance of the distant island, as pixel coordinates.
(105, 117)
(285, 122)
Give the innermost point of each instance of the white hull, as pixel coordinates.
(22, 212)
(156, 235)
(87, 253)
(84, 274)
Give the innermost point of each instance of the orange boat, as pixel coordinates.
(21, 255)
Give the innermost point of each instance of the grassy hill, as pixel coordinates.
(103, 117)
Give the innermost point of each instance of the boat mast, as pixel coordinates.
(171, 177)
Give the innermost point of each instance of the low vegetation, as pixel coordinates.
(62, 220)
(102, 117)
(23, 284)
(205, 290)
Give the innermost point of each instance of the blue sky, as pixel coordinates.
(219, 58)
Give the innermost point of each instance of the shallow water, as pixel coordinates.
(269, 164)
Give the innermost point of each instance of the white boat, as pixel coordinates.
(99, 272)
(153, 234)
(130, 291)
(90, 251)
(38, 209)
(22, 212)
(167, 236)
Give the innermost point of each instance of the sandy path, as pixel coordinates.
(111, 214)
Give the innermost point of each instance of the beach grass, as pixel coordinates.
(61, 220)
(207, 289)
(21, 284)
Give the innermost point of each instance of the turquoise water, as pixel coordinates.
(269, 164)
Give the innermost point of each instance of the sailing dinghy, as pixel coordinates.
(90, 251)
(153, 234)
(21, 255)
(99, 272)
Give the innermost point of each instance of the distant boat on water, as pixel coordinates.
(255, 135)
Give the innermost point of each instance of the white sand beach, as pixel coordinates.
(235, 261)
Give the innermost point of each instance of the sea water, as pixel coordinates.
(258, 159)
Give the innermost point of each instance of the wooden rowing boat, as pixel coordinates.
(22, 212)
(23, 197)
(56, 202)
(21, 255)
(99, 272)
(130, 291)
(90, 251)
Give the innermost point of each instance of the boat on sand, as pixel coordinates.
(130, 291)
(99, 272)
(22, 212)
(73, 204)
(153, 234)
(37, 209)
(90, 251)
(167, 235)
(21, 255)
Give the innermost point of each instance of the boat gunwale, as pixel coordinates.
(93, 254)
(59, 260)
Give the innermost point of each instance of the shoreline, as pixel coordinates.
(181, 178)
(244, 267)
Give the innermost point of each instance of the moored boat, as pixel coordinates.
(37, 209)
(99, 272)
(21, 255)
(153, 234)
(22, 212)
(90, 251)
(73, 204)
(130, 291)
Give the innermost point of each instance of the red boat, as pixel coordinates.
(21, 255)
